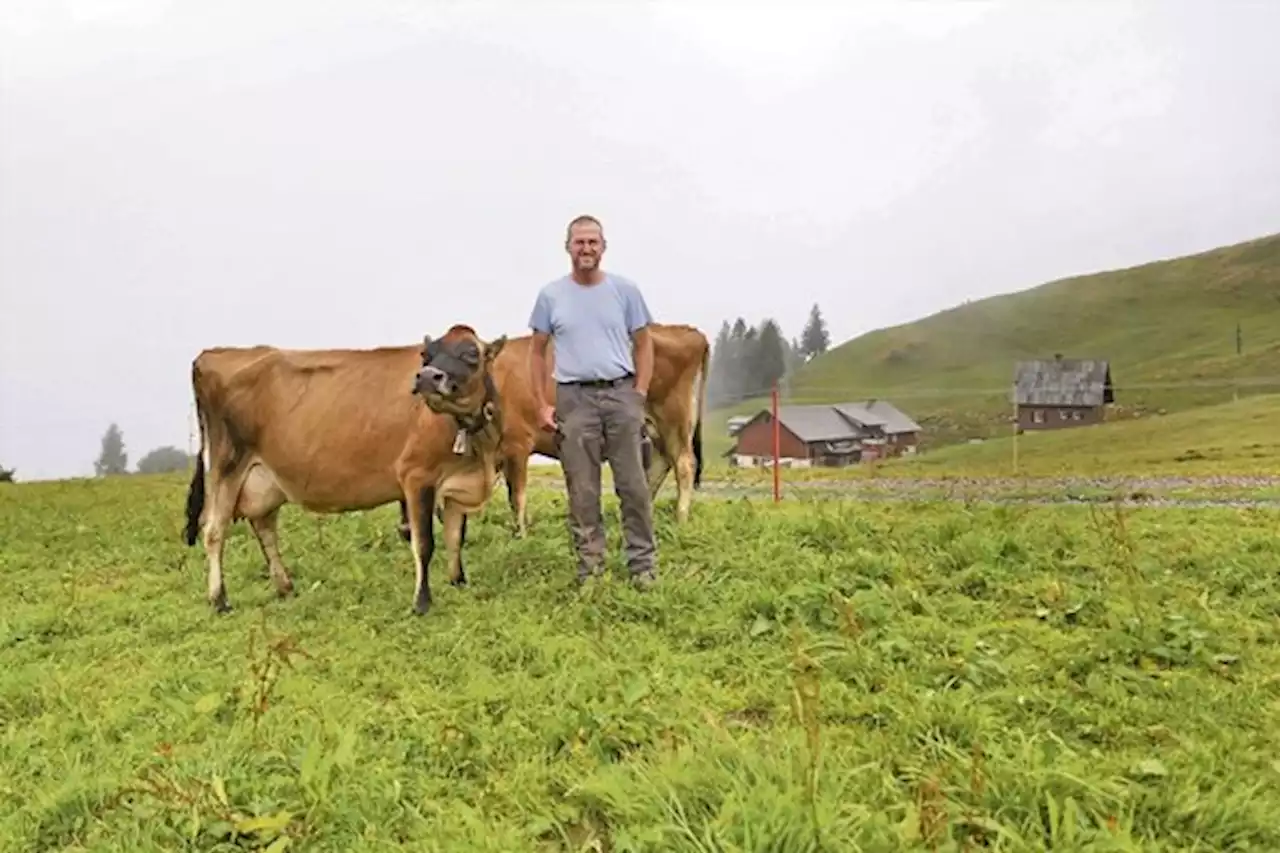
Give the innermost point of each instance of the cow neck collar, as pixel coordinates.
(488, 412)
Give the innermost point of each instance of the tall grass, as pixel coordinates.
(816, 676)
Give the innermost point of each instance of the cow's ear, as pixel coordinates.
(494, 347)
(426, 345)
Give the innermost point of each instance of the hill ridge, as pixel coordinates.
(1168, 322)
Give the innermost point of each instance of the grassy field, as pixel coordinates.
(1164, 323)
(833, 676)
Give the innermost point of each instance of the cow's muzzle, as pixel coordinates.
(432, 380)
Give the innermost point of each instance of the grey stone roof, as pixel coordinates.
(1063, 382)
(816, 423)
(879, 413)
(841, 421)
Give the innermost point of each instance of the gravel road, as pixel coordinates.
(1127, 491)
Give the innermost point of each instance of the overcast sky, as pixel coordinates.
(176, 175)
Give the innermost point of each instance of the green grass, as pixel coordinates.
(882, 678)
(1167, 322)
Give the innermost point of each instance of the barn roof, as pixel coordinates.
(842, 421)
(1063, 382)
(880, 413)
(816, 423)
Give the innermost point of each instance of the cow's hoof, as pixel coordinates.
(421, 606)
(460, 581)
(220, 604)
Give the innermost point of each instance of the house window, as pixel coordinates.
(1037, 416)
(1076, 415)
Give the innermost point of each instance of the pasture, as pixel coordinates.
(827, 675)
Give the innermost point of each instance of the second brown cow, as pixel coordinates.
(674, 410)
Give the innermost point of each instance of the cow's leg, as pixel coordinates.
(422, 539)
(684, 484)
(677, 455)
(659, 461)
(217, 521)
(215, 530)
(268, 539)
(516, 473)
(455, 535)
(259, 501)
(404, 521)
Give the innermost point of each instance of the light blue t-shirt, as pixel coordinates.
(591, 326)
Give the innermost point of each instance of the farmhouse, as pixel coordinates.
(1061, 392)
(828, 435)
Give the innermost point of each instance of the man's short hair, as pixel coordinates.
(583, 219)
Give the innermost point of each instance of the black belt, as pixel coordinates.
(600, 383)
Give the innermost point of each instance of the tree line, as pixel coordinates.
(113, 459)
(747, 360)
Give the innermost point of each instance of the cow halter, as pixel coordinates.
(470, 425)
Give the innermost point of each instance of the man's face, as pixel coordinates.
(586, 246)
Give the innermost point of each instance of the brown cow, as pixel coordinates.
(680, 353)
(341, 430)
(456, 381)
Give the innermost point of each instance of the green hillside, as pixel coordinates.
(1161, 323)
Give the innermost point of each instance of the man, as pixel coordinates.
(603, 366)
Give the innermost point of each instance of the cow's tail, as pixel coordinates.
(697, 426)
(195, 492)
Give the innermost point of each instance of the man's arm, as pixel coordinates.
(540, 323)
(538, 367)
(638, 322)
(642, 349)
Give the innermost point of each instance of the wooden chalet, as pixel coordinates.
(1061, 392)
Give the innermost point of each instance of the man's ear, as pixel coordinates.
(495, 346)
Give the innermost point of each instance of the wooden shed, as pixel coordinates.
(1061, 392)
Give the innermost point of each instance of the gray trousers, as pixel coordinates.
(605, 423)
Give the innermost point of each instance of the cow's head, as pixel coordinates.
(455, 375)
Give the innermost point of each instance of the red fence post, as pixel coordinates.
(777, 444)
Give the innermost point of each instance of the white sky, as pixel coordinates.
(176, 175)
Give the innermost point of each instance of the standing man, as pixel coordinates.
(603, 365)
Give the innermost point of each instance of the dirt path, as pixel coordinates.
(1126, 491)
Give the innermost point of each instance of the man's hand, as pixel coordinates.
(547, 418)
